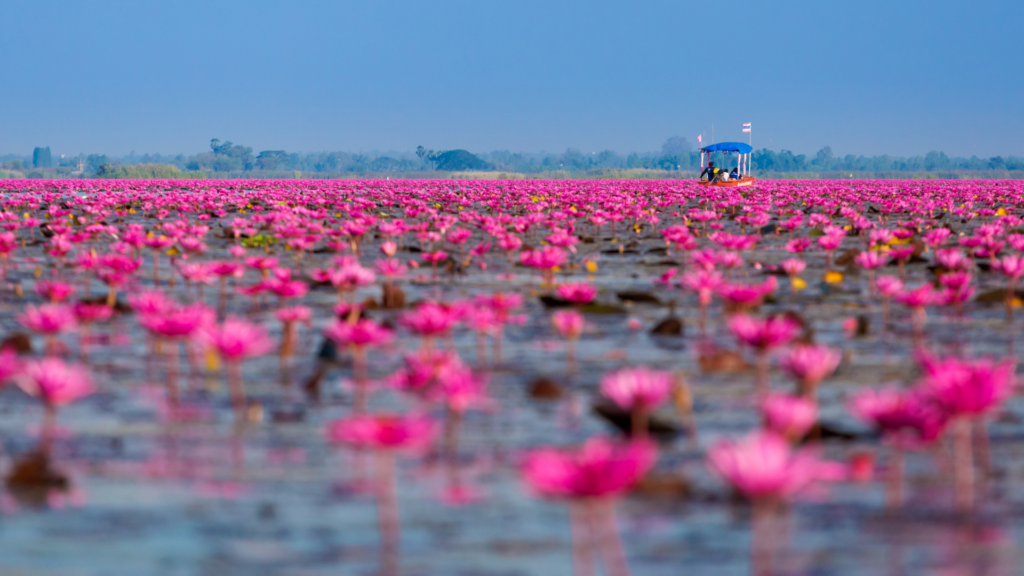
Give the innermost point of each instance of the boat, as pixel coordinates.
(742, 151)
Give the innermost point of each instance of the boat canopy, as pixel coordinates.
(729, 147)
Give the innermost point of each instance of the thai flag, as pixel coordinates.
(746, 127)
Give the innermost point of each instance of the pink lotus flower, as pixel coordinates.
(87, 313)
(798, 245)
(434, 257)
(177, 322)
(285, 288)
(936, 236)
(789, 416)
(747, 296)
(54, 382)
(793, 266)
(965, 387)
(459, 236)
(261, 263)
(569, 323)
(888, 285)
(951, 259)
(764, 467)
(54, 290)
(235, 339)
(502, 302)
(919, 297)
(830, 242)
(599, 469)
(294, 314)
(896, 414)
(149, 302)
(809, 365)
(871, 260)
(226, 269)
(637, 387)
(546, 258)
(48, 319)
(703, 282)
(9, 364)
(390, 268)
(362, 333)
(196, 272)
(763, 334)
(461, 389)
(429, 320)
(383, 431)
(577, 293)
(389, 248)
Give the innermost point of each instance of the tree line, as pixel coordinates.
(676, 154)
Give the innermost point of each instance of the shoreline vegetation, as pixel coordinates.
(677, 160)
(170, 172)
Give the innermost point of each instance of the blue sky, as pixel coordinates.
(899, 77)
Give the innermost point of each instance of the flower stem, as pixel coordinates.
(894, 479)
(234, 370)
(963, 465)
(387, 513)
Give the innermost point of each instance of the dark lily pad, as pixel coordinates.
(997, 296)
(598, 308)
(119, 306)
(638, 296)
(672, 484)
(554, 301)
(670, 326)
(830, 432)
(392, 297)
(33, 476)
(847, 257)
(722, 361)
(19, 342)
(545, 389)
(658, 425)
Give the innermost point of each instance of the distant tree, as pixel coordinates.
(108, 171)
(457, 160)
(230, 157)
(270, 159)
(936, 161)
(96, 160)
(41, 157)
(421, 151)
(385, 164)
(675, 146)
(608, 159)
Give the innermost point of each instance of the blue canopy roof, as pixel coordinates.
(729, 147)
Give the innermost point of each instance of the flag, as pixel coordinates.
(746, 127)
(698, 139)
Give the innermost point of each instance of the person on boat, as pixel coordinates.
(735, 174)
(713, 174)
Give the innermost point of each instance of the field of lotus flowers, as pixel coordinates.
(510, 377)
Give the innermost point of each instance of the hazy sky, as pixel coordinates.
(900, 77)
